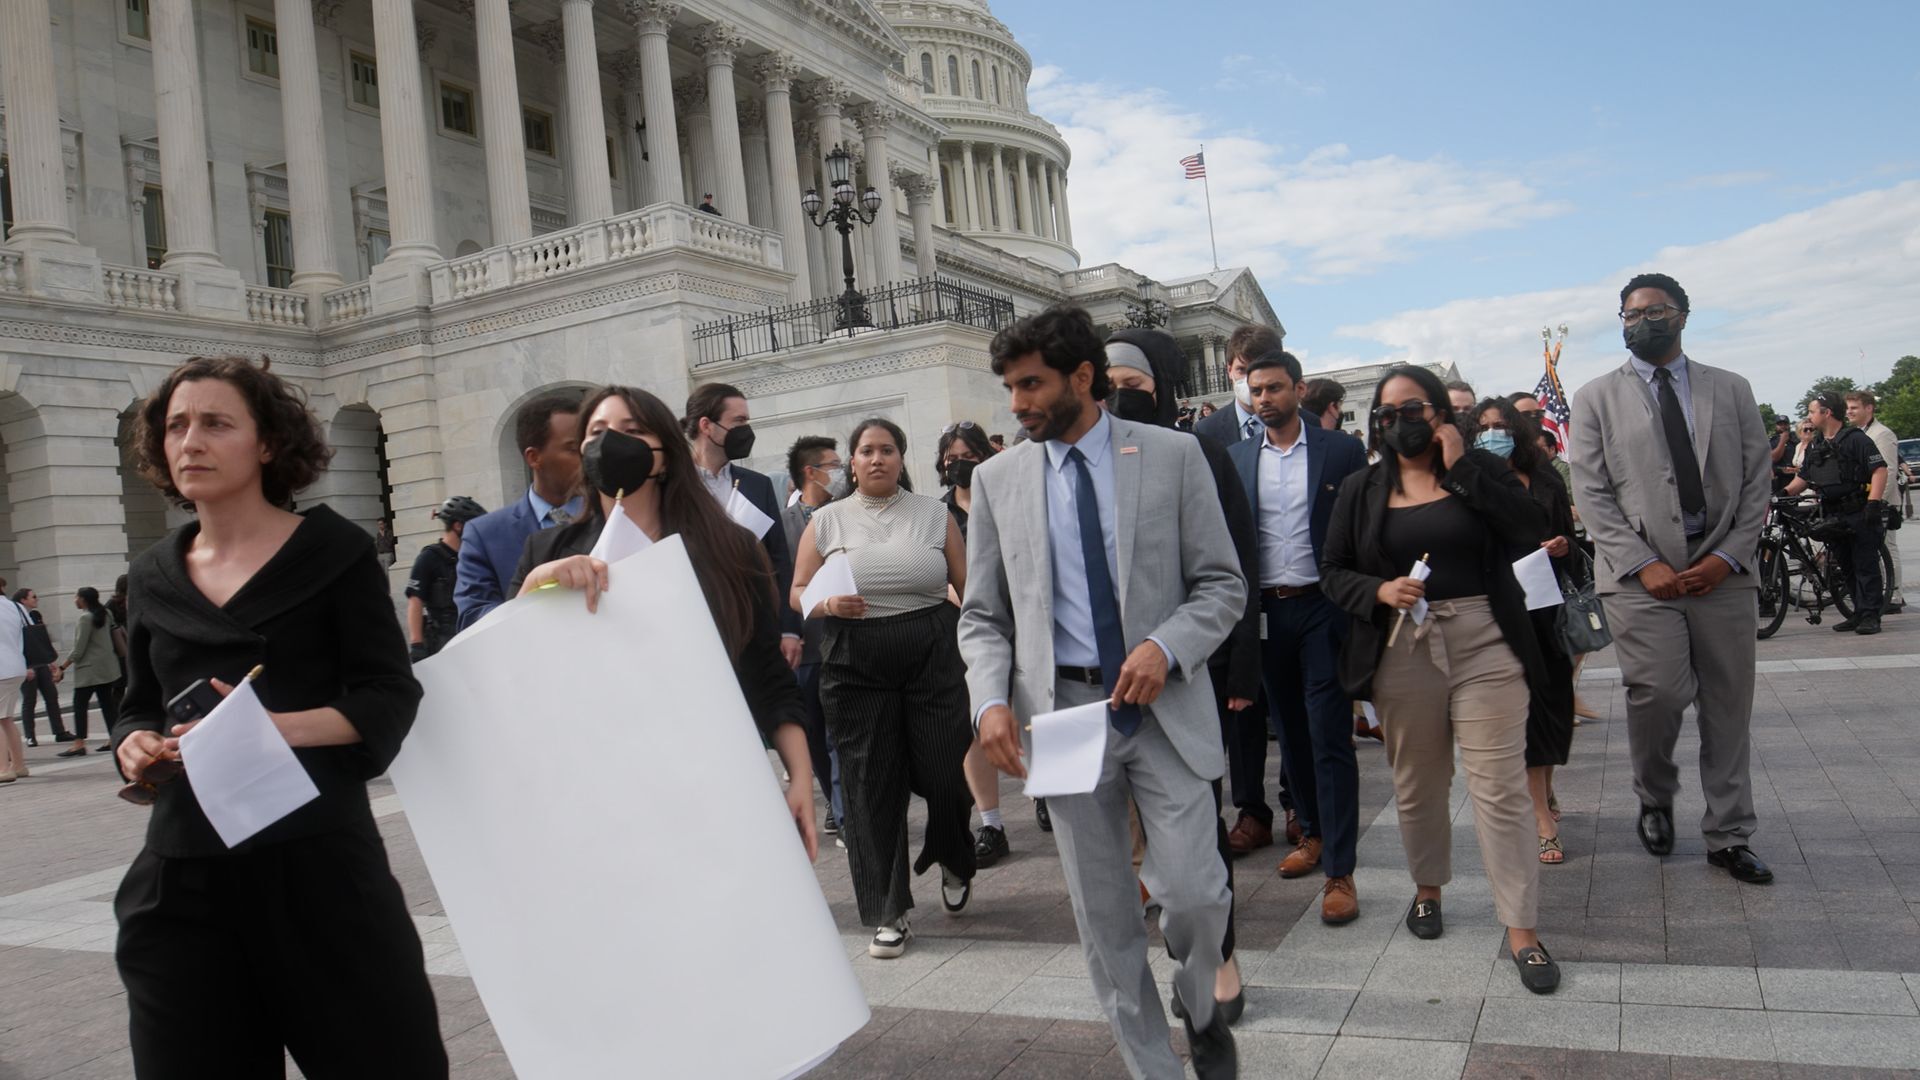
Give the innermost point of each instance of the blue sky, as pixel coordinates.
(1436, 181)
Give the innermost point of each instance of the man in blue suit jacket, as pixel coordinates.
(548, 433)
(1292, 475)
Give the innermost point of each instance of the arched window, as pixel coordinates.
(953, 75)
(996, 84)
(977, 92)
(926, 72)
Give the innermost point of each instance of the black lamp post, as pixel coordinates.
(843, 212)
(1148, 312)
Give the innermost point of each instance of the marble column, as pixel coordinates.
(1002, 213)
(829, 96)
(971, 189)
(718, 44)
(309, 189)
(1047, 202)
(1066, 215)
(655, 19)
(36, 168)
(626, 70)
(591, 184)
(690, 102)
(753, 150)
(501, 132)
(180, 116)
(776, 73)
(874, 122)
(1023, 192)
(812, 175)
(398, 281)
(920, 195)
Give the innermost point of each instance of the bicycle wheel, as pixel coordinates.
(1886, 575)
(1773, 595)
(1836, 582)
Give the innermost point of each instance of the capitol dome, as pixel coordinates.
(1002, 170)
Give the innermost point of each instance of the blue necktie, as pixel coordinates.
(1253, 426)
(1106, 607)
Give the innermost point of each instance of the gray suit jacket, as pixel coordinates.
(1624, 481)
(1179, 580)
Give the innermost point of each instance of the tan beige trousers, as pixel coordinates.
(1456, 680)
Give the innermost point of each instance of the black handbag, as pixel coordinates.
(1582, 620)
(36, 644)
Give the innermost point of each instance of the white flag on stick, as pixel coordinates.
(243, 772)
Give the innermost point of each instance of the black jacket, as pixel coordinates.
(1239, 655)
(319, 617)
(1355, 564)
(758, 490)
(773, 697)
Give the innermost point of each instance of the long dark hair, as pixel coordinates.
(1436, 394)
(728, 563)
(899, 443)
(90, 596)
(1527, 458)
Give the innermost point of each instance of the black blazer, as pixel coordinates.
(1332, 456)
(1222, 427)
(773, 697)
(1355, 564)
(758, 488)
(1239, 655)
(319, 616)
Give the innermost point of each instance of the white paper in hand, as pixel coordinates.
(243, 771)
(1535, 574)
(1069, 746)
(620, 538)
(1420, 572)
(746, 515)
(834, 578)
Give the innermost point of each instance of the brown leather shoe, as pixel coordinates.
(1338, 904)
(1293, 829)
(1249, 834)
(1302, 859)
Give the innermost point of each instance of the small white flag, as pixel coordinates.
(620, 538)
(746, 515)
(244, 774)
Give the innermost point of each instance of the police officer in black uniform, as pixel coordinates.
(431, 615)
(1845, 468)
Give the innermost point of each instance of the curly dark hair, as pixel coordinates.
(1656, 281)
(1065, 338)
(1527, 456)
(297, 450)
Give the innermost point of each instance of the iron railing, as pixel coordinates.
(918, 302)
(1203, 379)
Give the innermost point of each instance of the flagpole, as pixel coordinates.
(1207, 189)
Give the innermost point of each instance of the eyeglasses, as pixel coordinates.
(1387, 415)
(1531, 414)
(1658, 313)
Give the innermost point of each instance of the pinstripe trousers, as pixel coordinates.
(894, 691)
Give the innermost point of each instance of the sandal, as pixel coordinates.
(1553, 806)
(1538, 972)
(1551, 852)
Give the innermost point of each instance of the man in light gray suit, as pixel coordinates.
(1126, 583)
(1672, 478)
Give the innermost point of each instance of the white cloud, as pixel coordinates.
(1320, 215)
(1783, 303)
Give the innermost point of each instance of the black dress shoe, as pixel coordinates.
(1040, 814)
(1656, 829)
(991, 846)
(1538, 972)
(1846, 626)
(1213, 1053)
(1423, 918)
(1741, 864)
(1869, 624)
(77, 750)
(1229, 1010)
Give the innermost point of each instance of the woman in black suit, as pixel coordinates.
(1460, 676)
(297, 939)
(632, 450)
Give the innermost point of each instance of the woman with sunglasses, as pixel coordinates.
(1502, 428)
(1461, 675)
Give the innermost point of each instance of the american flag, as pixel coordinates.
(1196, 165)
(1555, 416)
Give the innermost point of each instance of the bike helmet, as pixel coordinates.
(459, 508)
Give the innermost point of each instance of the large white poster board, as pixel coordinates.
(627, 887)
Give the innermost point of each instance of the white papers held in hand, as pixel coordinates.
(1069, 746)
(746, 515)
(620, 538)
(834, 578)
(1535, 574)
(1420, 572)
(243, 772)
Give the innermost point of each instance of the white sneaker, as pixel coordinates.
(890, 941)
(954, 892)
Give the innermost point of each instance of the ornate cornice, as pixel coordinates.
(919, 186)
(327, 12)
(718, 43)
(753, 118)
(826, 94)
(777, 71)
(652, 16)
(690, 95)
(874, 118)
(179, 345)
(785, 378)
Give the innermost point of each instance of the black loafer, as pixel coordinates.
(1423, 918)
(1213, 1053)
(991, 846)
(1538, 972)
(1230, 1010)
(75, 752)
(1656, 829)
(1741, 864)
(1040, 814)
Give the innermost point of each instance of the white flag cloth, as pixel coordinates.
(619, 538)
(643, 910)
(1420, 572)
(244, 774)
(1535, 574)
(1069, 748)
(834, 578)
(746, 515)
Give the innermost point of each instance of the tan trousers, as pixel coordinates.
(1456, 680)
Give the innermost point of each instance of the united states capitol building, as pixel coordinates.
(429, 211)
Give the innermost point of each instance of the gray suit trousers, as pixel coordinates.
(1699, 651)
(1182, 869)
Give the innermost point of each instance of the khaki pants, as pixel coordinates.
(1456, 680)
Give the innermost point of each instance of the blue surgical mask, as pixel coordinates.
(1495, 442)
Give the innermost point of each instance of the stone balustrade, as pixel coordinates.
(10, 272)
(347, 305)
(143, 290)
(276, 307)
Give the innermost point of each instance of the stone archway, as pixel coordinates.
(356, 485)
(514, 475)
(13, 410)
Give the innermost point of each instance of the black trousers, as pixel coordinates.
(818, 748)
(109, 708)
(895, 694)
(39, 684)
(304, 946)
(1859, 560)
(1245, 735)
(1314, 717)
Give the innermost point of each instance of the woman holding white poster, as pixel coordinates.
(297, 938)
(635, 461)
(892, 682)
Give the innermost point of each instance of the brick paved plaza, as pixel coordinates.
(1672, 970)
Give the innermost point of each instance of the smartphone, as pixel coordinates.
(191, 704)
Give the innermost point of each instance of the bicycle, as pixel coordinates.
(1797, 569)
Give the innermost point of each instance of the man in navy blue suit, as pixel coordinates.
(1292, 474)
(721, 429)
(548, 434)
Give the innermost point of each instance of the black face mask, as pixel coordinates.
(1130, 403)
(739, 442)
(1649, 340)
(1408, 438)
(960, 472)
(616, 463)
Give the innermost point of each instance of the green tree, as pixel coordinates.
(1905, 373)
(1837, 384)
(1767, 415)
(1901, 411)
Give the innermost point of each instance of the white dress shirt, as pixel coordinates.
(1286, 514)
